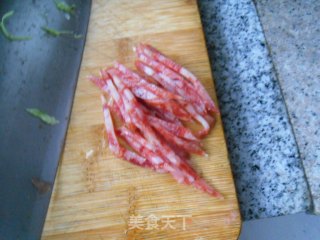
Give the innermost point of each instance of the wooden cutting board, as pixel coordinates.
(103, 197)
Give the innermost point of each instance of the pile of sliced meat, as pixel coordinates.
(155, 106)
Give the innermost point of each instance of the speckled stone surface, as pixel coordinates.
(292, 30)
(264, 156)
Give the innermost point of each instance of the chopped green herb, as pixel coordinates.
(78, 36)
(43, 116)
(65, 7)
(54, 32)
(57, 33)
(6, 32)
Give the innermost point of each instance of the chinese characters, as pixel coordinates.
(153, 222)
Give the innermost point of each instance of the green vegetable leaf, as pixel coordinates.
(43, 116)
(54, 32)
(5, 31)
(64, 7)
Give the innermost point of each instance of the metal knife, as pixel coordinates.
(40, 72)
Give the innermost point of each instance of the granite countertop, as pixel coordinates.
(292, 31)
(264, 155)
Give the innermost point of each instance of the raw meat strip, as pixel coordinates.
(114, 145)
(175, 129)
(133, 79)
(188, 146)
(176, 82)
(107, 86)
(143, 147)
(170, 106)
(154, 53)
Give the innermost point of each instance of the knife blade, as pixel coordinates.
(38, 73)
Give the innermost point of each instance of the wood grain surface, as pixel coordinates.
(103, 197)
